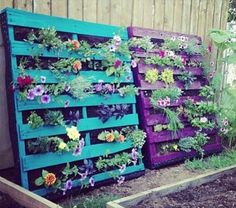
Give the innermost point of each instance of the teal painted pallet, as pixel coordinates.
(10, 19)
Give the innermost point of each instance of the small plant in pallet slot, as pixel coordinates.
(187, 78)
(159, 96)
(143, 43)
(119, 111)
(202, 123)
(73, 118)
(207, 92)
(166, 147)
(196, 143)
(35, 121)
(128, 90)
(160, 127)
(111, 136)
(167, 76)
(151, 75)
(104, 89)
(54, 118)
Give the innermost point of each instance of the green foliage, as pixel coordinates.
(137, 137)
(193, 48)
(171, 92)
(128, 90)
(172, 45)
(208, 92)
(80, 87)
(232, 11)
(165, 61)
(160, 127)
(54, 118)
(187, 78)
(63, 65)
(223, 160)
(35, 121)
(202, 123)
(167, 76)
(151, 75)
(169, 147)
(174, 121)
(196, 143)
(144, 43)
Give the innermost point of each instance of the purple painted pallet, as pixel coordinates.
(148, 118)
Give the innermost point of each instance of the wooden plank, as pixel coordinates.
(202, 18)
(209, 16)
(59, 102)
(24, 4)
(6, 3)
(90, 10)
(178, 15)
(217, 14)
(126, 9)
(75, 9)
(148, 11)
(186, 16)
(87, 124)
(169, 15)
(24, 197)
(137, 17)
(103, 11)
(224, 14)
(42, 6)
(35, 161)
(172, 188)
(59, 8)
(194, 16)
(115, 13)
(159, 12)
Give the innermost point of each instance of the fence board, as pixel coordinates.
(42, 6)
(159, 11)
(75, 9)
(90, 9)
(186, 16)
(24, 4)
(103, 11)
(178, 9)
(194, 17)
(59, 8)
(169, 15)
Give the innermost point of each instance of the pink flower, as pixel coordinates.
(209, 48)
(45, 99)
(210, 75)
(184, 60)
(117, 63)
(38, 90)
(117, 40)
(133, 64)
(30, 95)
(162, 53)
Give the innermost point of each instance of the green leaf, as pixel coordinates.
(39, 181)
(44, 173)
(110, 71)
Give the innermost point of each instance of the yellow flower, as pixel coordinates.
(62, 145)
(167, 76)
(175, 147)
(73, 133)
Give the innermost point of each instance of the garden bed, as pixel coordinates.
(184, 193)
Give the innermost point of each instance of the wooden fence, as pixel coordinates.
(187, 16)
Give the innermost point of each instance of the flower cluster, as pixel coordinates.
(111, 136)
(39, 91)
(167, 76)
(24, 81)
(151, 75)
(163, 102)
(73, 133)
(103, 89)
(225, 124)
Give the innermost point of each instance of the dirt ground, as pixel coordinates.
(220, 193)
(151, 179)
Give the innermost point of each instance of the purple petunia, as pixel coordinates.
(43, 79)
(38, 90)
(91, 181)
(77, 151)
(67, 103)
(98, 87)
(45, 99)
(120, 180)
(30, 95)
(68, 185)
(81, 143)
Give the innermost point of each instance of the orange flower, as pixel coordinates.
(77, 65)
(75, 44)
(110, 137)
(121, 138)
(50, 179)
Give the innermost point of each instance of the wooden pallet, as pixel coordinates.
(30, 165)
(147, 119)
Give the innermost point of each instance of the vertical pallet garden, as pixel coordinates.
(175, 104)
(69, 109)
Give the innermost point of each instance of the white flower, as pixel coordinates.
(170, 53)
(117, 38)
(203, 119)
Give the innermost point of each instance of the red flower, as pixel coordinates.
(162, 54)
(23, 81)
(117, 63)
(184, 60)
(209, 48)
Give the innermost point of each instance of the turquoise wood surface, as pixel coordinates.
(59, 102)
(98, 177)
(87, 124)
(93, 76)
(27, 19)
(35, 161)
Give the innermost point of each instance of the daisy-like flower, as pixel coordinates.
(39, 90)
(31, 95)
(133, 64)
(43, 79)
(170, 53)
(67, 103)
(91, 182)
(203, 119)
(50, 179)
(120, 180)
(45, 99)
(173, 38)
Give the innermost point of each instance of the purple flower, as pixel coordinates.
(67, 88)
(67, 103)
(91, 181)
(120, 180)
(162, 53)
(122, 168)
(77, 151)
(112, 48)
(81, 143)
(98, 87)
(134, 155)
(45, 99)
(68, 185)
(83, 175)
(30, 95)
(109, 87)
(133, 64)
(38, 90)
(43, 79)
(117, 63)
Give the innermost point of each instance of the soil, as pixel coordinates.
(151, 179)
(218, 194)
(7, 202)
